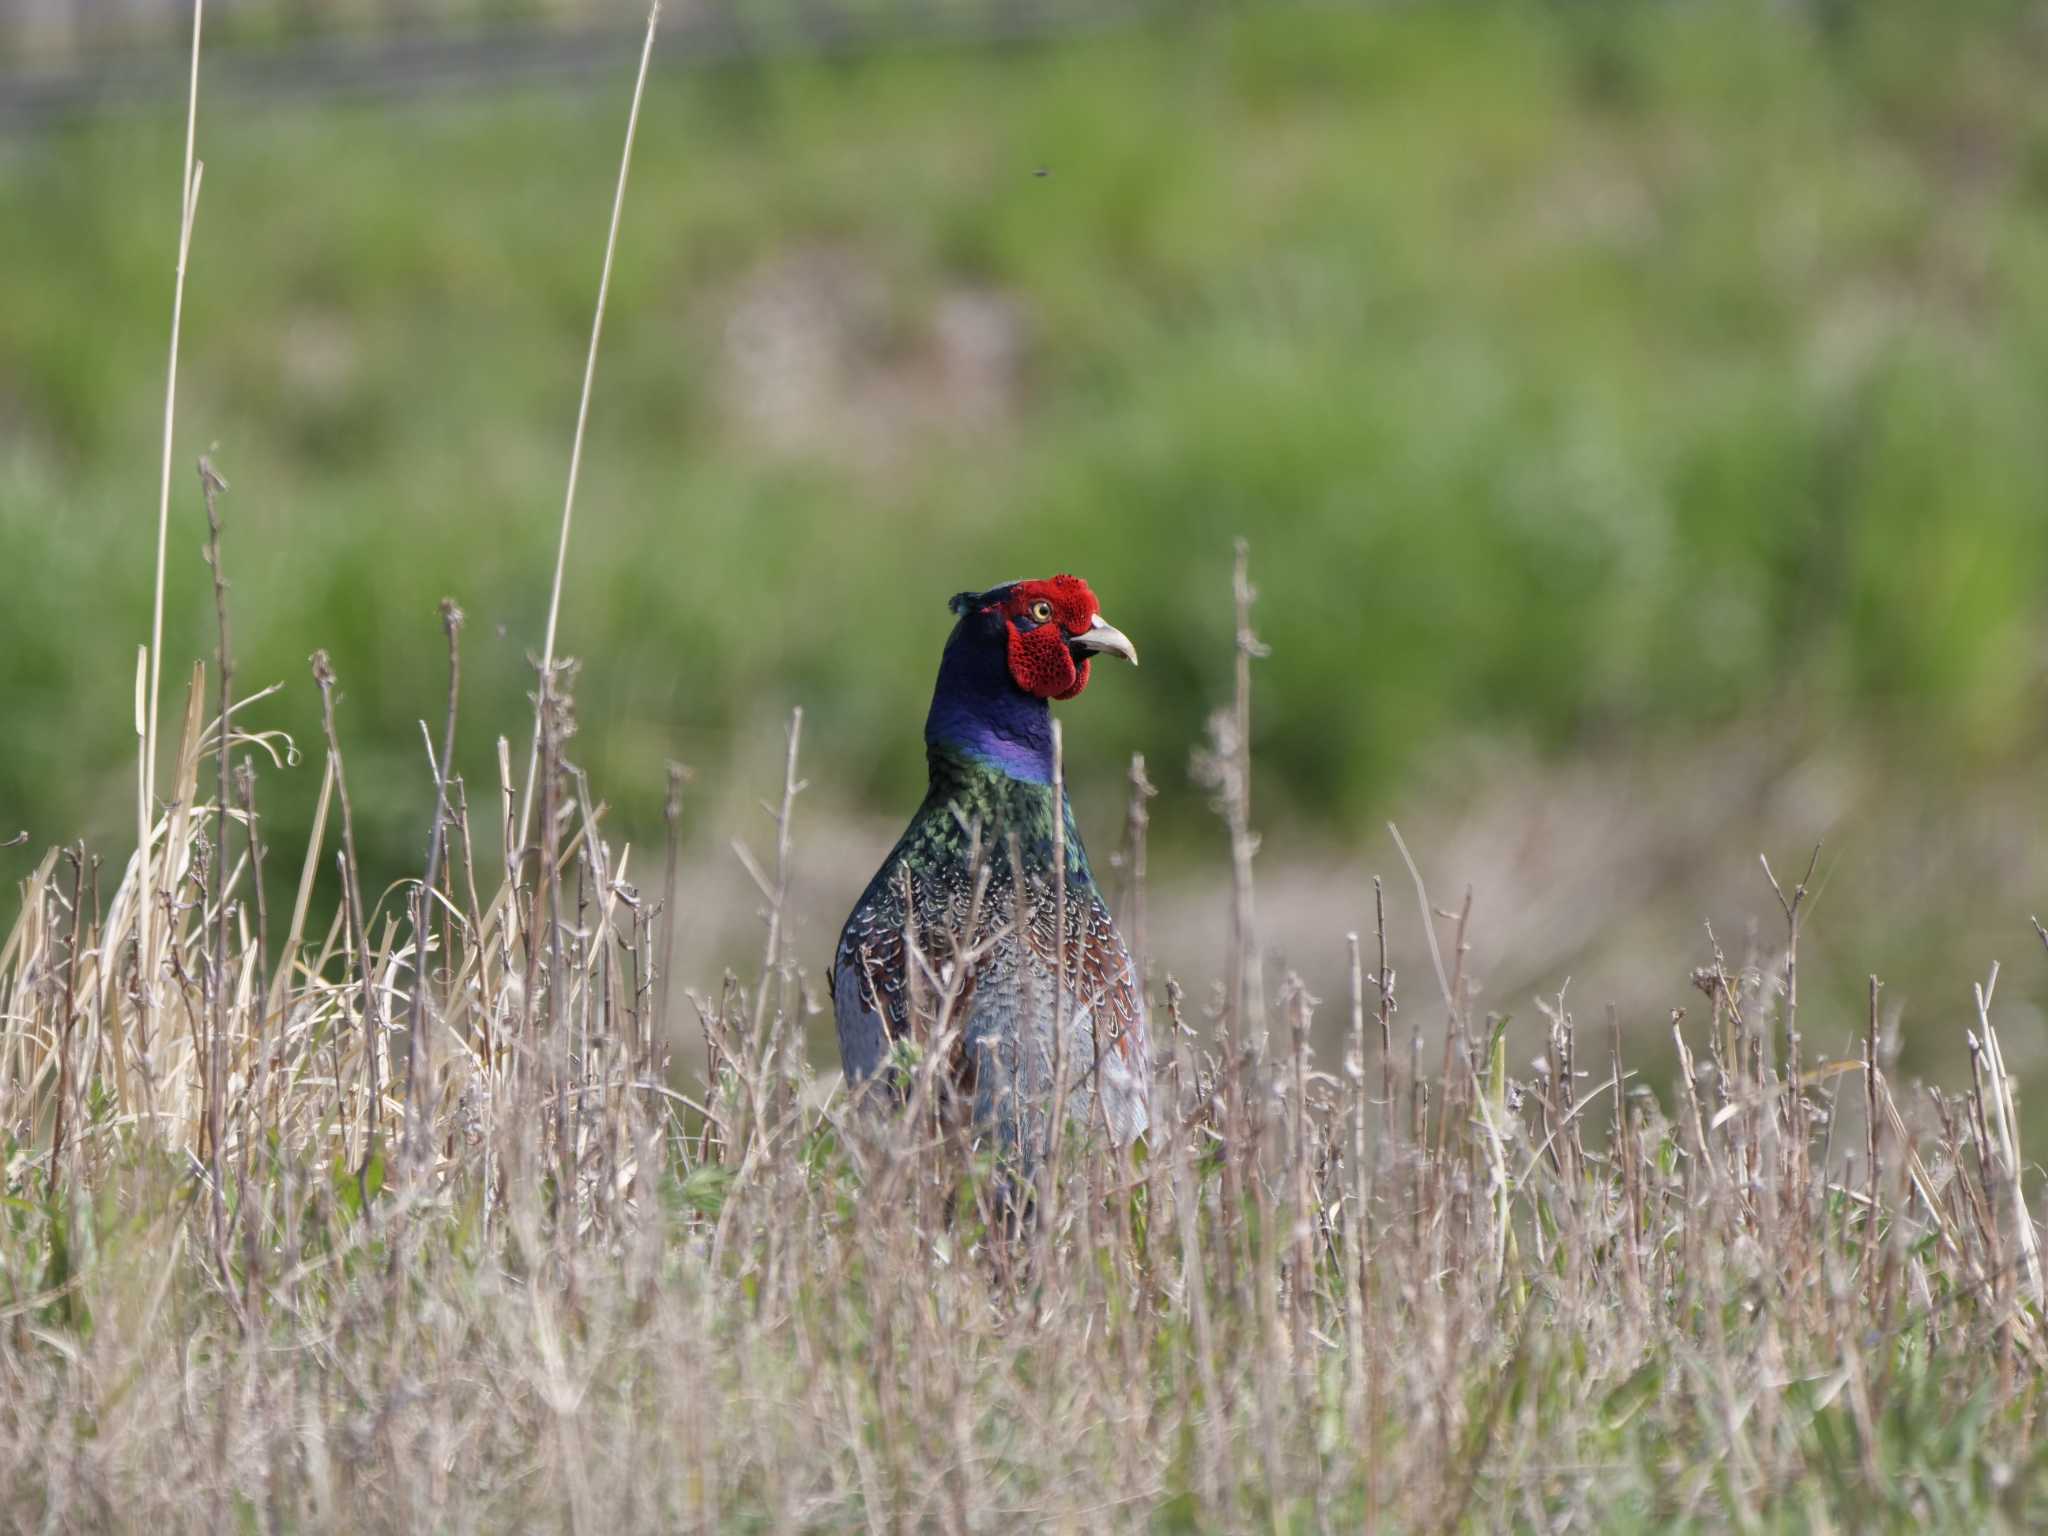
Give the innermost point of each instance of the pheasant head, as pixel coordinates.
(1015, 649)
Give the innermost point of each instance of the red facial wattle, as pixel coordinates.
(1042, 665)
(1043, 618)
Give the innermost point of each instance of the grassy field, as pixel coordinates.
(312, 1235)
(1633, 418)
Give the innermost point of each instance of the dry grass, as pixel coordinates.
(405, 1224)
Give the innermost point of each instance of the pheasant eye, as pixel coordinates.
(1041, 611)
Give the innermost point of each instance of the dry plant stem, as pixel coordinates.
(211, 485)
(1456, 1036)
(1301, 1015)
(1055, 1125)
(762, 1049)
(1195, 1287)
(1358, 1225)
(245, 791)
(417, 1041)
(1383, 979)
(1354, 1071)
(308, 871)
(352, 899)
(65, 1087)
(188, 208)
(1137, 822)
(1226, 767)
(1247, 988)
(1436, 956)
(1870, 1173)
(604, 283)
(544, 1038)
(777, 892)
(2005, 1129)
(1794, 907)
(672, 824)
(1791, 906)
(1419, 1129)
(1624, 1144)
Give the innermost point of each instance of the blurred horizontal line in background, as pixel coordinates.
(62, 58)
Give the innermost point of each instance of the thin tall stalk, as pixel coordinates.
(145, 809)
(211, 485)
(1247, 985)
(604, 284)
(371, 1034)
(417, 1043)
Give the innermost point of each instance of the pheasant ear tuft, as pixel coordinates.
(964, 603)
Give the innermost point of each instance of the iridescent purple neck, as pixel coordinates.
(977, 707)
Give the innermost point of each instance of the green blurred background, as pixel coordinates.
(1636, 413)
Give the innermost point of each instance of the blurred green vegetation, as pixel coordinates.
(1582, 374)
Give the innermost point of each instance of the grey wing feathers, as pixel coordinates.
(863, 1041)
(867, 987)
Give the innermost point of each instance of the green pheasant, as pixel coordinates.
(957, 942)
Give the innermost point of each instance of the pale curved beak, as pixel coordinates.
(1101, 636)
